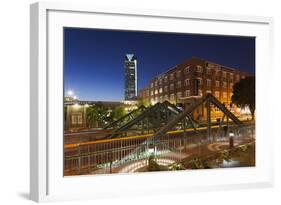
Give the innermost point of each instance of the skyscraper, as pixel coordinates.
(130, 77)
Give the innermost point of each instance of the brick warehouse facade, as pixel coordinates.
(190, 80)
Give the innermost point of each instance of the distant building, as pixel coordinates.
(130, 77)
(188, 81)
(75, 111)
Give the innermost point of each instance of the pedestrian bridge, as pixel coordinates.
(162, 131)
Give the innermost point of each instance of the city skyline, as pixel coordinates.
(94, 59)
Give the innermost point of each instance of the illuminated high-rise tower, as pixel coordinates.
(130, 77)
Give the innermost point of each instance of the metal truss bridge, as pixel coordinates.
(162, 130)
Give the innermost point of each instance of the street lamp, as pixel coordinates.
(70, 93)
(231, 140)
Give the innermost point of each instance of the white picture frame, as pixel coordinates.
(46, 176)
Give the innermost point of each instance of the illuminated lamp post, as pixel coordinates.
(231, 140)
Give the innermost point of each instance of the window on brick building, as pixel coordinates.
(172, 76)
(186, 69)
(217, 94)
(224, 94)
(186, 82)
(237, 77)
(166, 79)
(187, 93)
(178, 84)
(199, 69)
(179, 95)
(217, 83)
(209, 82)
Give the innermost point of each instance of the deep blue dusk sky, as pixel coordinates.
(94, 59)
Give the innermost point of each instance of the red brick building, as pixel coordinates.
(192, 79)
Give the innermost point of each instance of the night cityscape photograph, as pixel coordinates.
(139, 101)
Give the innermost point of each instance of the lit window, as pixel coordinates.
(179, 84)
(151, 85)
(186, 82)
(208, 91)
(217, 72)
(231, 75)
(237, 77)
(224, 74)
(231, 85)
(172, 76)
(156, 83)
(217, 83)
(166, 79)
(224, 84)
(151, 93)
(187, 70)
(179, 95)
(200, 93)
(217, 94)
(209, 71)
(199, 69)
(187, 93)
(209, 82)
(243, 77)
(160, 90)
(224, 94)
(156, 92)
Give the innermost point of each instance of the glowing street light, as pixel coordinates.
(70, 93)
(231, 140)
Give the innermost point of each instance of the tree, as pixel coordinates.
(118, 112)
(97, 115)
(244, 94)
(144, 102)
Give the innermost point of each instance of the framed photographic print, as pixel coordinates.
(126, 102)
